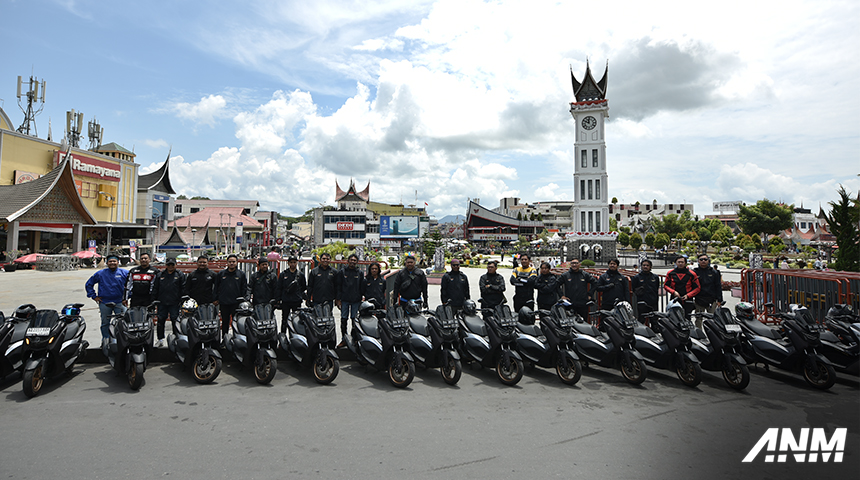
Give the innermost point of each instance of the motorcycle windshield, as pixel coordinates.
(624, 313)
(504, 316)
(263, 311)
(562, 316)
(45, 319)
(445, 316)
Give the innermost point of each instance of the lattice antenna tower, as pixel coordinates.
(34, 100)
(95, 132)
(74, 124)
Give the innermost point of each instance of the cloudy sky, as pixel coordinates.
(443, 101)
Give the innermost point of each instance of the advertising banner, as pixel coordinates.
(404, 227)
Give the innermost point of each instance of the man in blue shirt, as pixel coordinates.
(111, 282)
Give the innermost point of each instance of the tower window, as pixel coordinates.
(590, 221)
(582, 222)
(597, 222)
(594, 161)
(584, 155)
(582, 189)
(597, 189)
(590, 191)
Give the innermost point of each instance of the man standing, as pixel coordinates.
(140, 283)
(646, 286)
(290, 290)
(546, 285)
(111, 282)
(200, 284)
(682, 284)
(575, 284)
(613, 286)
(349, 282)
(263, 284)
(710, 295)
(523, 279)
(321, 283)
(492, 287)
(455, 287)
(410, 283)
(230, 284)
(374, 284)
(168, 288)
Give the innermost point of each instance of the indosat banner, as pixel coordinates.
(404, 227)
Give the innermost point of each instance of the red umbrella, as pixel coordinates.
(86, 254)
(31, 258)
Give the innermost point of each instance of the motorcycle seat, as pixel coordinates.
(587, 329)
(762, 330)
(532, 330)
(644, 331)
(829, 336)
(298, 326)
(475, 325)
(370, 325)
(240, 325)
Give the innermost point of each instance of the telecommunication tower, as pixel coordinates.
(74, 124)
(95, 132)
(32, 97)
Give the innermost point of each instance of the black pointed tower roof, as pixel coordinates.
(160, 177)
(589, 89)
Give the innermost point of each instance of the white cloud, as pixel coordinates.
(205, 112)
(160, 143)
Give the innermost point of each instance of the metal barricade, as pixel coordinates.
(815, 289)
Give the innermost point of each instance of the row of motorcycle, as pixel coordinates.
(45, 343)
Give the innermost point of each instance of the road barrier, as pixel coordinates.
(817, 290)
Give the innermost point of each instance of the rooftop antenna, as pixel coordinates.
(32, 97)
(95, 132)
(74, 124)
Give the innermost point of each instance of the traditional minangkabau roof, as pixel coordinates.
(341, 195)
(17, 200)
(589, 89)
(160, 177)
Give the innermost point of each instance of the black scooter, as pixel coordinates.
(613, 345)
(311, 341)
(254, 338)
(434, 340)
(793, 347)
(550, 345)
(491, 341)
(841, 344)
(670, 347)
(130, 344)
(381, 339)
(12, 332)
(52, 345)
(196, 342)
(720, 350)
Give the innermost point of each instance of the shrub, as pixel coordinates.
(587, 263)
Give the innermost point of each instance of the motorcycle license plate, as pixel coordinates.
(733, 328)
(39, 331)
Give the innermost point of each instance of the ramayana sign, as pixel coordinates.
(91, 167)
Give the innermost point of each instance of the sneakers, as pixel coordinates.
(342, 344)
(159, 343)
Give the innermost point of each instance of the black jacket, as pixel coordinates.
(262, 287)
(547, 289)
(139, 285)
(455, 289)
(349, 282)
(646, 286)
(230, 286)
(574, 286)
(169, 287)
(291, 287)
(200, 285)
(410, 285)
(524, 283)
(492, 289)
(710, 281)
(321, 285)
(613, 286)
(374, 288)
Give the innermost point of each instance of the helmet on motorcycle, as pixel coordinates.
(413, 307)
(840, 310)
(469, 308)
(744, 309)
(526, 316)
(189, 305)
(246, 306)
(25, 311)
(365, 308)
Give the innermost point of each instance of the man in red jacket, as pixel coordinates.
(682, 284)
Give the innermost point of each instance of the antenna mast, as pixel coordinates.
(95, 132)
(74, 124)
(31, 98)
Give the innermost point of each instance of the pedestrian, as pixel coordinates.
(200, 284)
(710, 294)
(492, 286)
(646, 286)
(231, 285)
(455, 287)
(111, 282)
(349, 282)
(322, 289)
(546, 285)
(168, 288)
(613, 286)
(576, 287)
(523, 279)
(262, 285)
(290, 290)
(682, 284)
(139, 285)
(374, 284)
(410, 283)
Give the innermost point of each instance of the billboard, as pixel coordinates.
(403, 227)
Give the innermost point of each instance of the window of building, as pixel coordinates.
(246, 211)
(177, 209)
(597, 190)
(590, 221)
(582, 190)
(597, 223)
(195, 209)
(584, 154)
(582, 222)
(594, 161)
(89, 190)
(590, 191)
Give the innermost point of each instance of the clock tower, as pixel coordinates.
(590, 110)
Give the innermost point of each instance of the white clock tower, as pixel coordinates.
(590, 110)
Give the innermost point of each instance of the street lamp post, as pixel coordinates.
(193, 239)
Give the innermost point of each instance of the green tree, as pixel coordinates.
(649, 239)
(624, 239)
(519, 215)
(614, 200)
(635, 241)
(765, 217)
(670, 224)
(200, 198)
(843, 221)
(756, 240)
(540, 217)
(704, 234)
(661, 240)
(182, 197)
(613, 224)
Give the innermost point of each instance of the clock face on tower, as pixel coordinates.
(589, 122)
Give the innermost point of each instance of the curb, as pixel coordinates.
(163, 355)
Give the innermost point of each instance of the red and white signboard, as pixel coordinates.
(91, 167)
(345, 226)
(279, 241)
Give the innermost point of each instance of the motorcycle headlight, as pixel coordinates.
(51, 340)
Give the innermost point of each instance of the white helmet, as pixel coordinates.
(189, 305)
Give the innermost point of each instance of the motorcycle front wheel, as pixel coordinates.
(820, 375)
(401, 372)
(511, 373)
(736, 375)
(451, 371)
(206, 373)
(572, 373)
(690, 373)
(135, 376)
(33, 382)
(265, 371)
(326, 374)
(634, 370)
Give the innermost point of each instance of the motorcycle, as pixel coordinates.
(130, 344)
(841, 344)
(254, 338)
(550, 345)
(670, 347)
(434, 340)
(52, 344)
(12, 332)
(311, 340)
(491, 341)
(793, 347)
(196, 342)
(613, 345)
(720, 350)
(381, 339)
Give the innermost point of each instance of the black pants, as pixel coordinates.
(286, 310)
(520, 303)
(227, 312)
(164, 311)
(582, 311)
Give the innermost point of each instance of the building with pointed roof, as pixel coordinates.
(155, 201)
(222, 227)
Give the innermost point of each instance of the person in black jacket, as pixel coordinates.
(547, 287)
(492, 287)
(613, 286)
(374, 284)
(575, 284)
(139, 285)
(349, 282)
(410, 283)
(200, 284)
(231, 284)
(168, 287)
(710, 295)
(646, 286)
(290, 290)
(263, 284)
(321, 283)
(455, 287)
